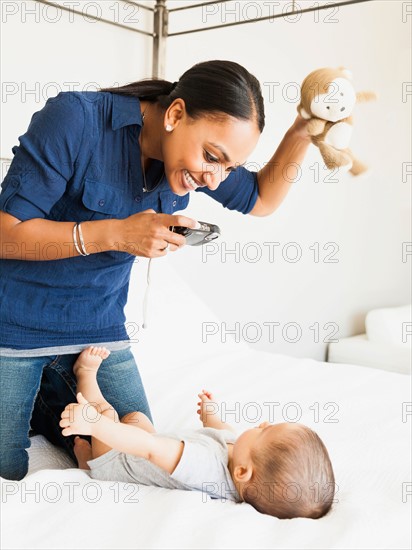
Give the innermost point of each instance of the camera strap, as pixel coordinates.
(146, 295)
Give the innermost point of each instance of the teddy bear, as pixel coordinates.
(327, 100)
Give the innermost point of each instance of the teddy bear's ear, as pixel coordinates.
(346, 72)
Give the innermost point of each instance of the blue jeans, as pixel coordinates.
(35, 390)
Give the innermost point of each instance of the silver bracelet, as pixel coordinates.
(75, 241)
(82, 241)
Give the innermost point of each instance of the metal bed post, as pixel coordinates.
(160, 32)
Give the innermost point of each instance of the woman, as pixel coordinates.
(94, 183)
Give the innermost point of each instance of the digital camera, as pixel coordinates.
(194, 237)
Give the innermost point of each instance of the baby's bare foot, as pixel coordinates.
(90, 359)
(83, 452)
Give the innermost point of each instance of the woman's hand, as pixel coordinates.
(79, 418)
(147, 233)
(299, 128)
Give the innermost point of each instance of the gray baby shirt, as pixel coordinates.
(203, 465)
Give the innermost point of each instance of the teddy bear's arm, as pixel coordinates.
(362, 97)
(315, 126)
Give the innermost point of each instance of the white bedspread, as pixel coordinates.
(359, 418)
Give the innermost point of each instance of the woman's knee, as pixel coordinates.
(20, 383)
(14, 463)
(14, 440)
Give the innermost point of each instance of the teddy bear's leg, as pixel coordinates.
(357, 166)
(338, 135)
(334, 158)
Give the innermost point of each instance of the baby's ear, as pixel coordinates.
(243, 473)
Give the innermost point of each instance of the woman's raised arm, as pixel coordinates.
(276, 177)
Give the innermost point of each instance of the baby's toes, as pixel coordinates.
(86, 353)
(99, 352)
(102, 352)
(105, 353)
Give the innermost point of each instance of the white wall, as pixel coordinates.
(367, 217)
(46, 50)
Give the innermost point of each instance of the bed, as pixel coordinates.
(362, 414)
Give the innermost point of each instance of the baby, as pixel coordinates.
(282, 470)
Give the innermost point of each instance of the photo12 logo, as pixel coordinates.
(271, 251)
(291, 12)
(270, 331)
(68, 11)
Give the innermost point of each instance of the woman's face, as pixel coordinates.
(202, 152)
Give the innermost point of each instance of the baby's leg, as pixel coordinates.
(85, 369)
(83, 451)
(140, 420)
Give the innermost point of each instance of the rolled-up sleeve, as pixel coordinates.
(239, 191)
(45, 160)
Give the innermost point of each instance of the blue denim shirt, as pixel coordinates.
(80, 160)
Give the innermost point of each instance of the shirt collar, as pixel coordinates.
(125, 111)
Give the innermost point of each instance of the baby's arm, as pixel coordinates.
(208, 413)
(165, 452)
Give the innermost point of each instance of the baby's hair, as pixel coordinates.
(293, 475)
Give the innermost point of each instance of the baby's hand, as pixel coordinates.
(79, 418)
(208, 408)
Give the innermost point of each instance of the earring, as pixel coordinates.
(168, 127)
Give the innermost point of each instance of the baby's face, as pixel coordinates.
(257, 437)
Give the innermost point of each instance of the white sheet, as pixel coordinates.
(369, 448)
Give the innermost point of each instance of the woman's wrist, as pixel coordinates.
(101, 235)
(298, 131)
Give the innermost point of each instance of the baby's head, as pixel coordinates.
(283, 470)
